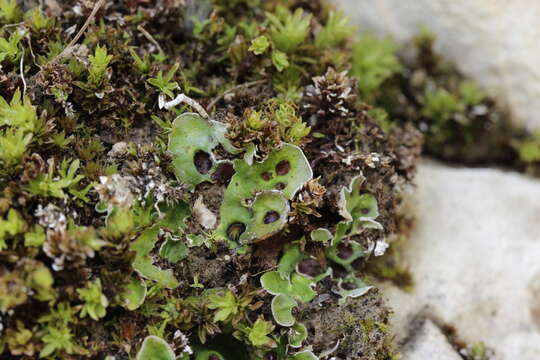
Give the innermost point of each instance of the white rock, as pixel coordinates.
(493, 41)
(428, 343)
(475, 257)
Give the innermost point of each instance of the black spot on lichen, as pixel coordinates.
(344, 251)
(283, 167)
(310, 267)
(281, 186)
(223, 173)
(203, 162)
(266, 176)
(271, 217)
(348, 285)
(235, 230)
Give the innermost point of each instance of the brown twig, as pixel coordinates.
(29, 41)
(150, 38)
(64, 52)
(12, 25)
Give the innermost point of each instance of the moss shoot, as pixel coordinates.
(214, 179)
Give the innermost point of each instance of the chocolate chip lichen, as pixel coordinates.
(203, 179)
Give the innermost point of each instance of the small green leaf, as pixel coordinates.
(297, 334)
(373, 61)
(288, 30)
(143, 263)
(134, 294)
(304, 355)
(258, 334)
(165, 83)
(174, 216)
(321, 235)
(98, 66)
(35, 238)
(155, 348)
(288, 261)
(280, 60)
(336, 30)
(173, 250)
(95, 303)
(299, 287)
(224, 301)
(11, 226)
(282, 306)
(259, 45)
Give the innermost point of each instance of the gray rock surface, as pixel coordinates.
(475, 257)
(493, 41)
(428, 343)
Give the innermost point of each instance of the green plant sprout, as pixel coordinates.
(224, 301)
(12, 225)
(9, 12)
(373, 61)
(259, 45)
(280, 60)
(49, 185)
(98, 66)
(19, 113)
(288, 30)
(58, 341)
(258, 333)
(165, 84)
(336, 30)
(95, 303)
(9, 48)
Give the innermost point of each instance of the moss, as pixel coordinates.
(390, 267)
(125, 216)
(360, 326)
(460, 121)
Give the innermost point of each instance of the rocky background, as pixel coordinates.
(474, 251)
(492, 41)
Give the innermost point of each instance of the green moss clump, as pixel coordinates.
(203, 179)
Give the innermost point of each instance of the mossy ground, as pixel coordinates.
(104, 241)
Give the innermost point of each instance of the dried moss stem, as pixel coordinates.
(150, 38)
(64, 52)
